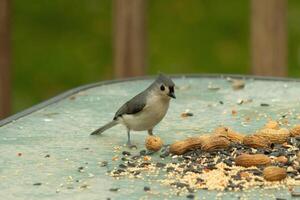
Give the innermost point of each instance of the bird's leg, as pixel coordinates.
(129, 141)
(150, 132)
(128, 137)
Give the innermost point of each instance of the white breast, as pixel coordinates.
(154, 111)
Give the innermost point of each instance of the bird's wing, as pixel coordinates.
(133, 106)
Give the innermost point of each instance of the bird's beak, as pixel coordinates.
(172, 95)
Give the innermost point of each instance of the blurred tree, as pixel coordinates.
(129, 38)
(199, 36)
(4, 58)
(58, 45)
(269, 37)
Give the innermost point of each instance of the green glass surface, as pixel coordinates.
(49, 145)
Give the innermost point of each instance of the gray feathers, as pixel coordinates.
(137, 103)
(165, 80)
(133, 106)
(104, 128)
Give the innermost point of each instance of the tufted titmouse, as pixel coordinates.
(145, 110)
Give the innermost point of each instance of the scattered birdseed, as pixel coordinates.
(240, 101)
(159, 164)
(115, 158)
(264, 104)
(103, 163)
(114, 189)
(169, 169)
(123, 166)
(124, 159)
(72, 97)
(126, 153)
(143, 152)
(164, 155)
(238, 84)
(135, 157)
(131, 164)
(147, 158)
(150, 152)
(146, 188)
(179, 184)
(186, 113)
(116, 148)
(136, 173)
(84, 186)
(233, 112)
(295, 194)
(80, 169)
(190, 196)
(212, 87)
(214, 170)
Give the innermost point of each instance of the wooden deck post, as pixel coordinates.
(129, 37)
(4, 59)
(269, 37)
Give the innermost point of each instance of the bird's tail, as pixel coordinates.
(105, 127)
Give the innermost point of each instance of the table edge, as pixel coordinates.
(73, 91)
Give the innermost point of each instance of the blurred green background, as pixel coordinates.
(61, 44)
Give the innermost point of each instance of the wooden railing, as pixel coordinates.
(5, 59)
(268, 41)
(269, 37)
(129, 37)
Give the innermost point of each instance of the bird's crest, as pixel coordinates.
(165, 80)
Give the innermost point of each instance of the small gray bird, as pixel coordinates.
(145, 110)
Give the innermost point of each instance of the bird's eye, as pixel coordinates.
(162, 88)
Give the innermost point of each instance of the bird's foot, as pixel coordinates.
(131, 146)
(150, 132)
